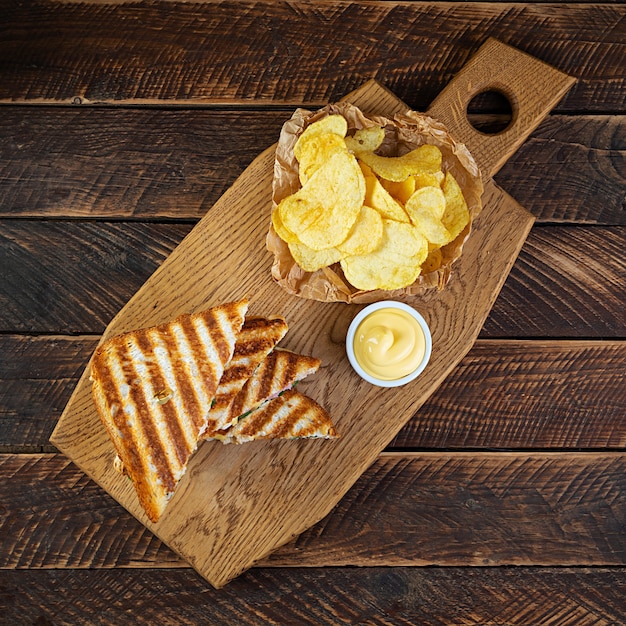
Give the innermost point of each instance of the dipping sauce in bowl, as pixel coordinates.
(388, 343)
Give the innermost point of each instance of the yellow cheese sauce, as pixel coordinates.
(389, 344)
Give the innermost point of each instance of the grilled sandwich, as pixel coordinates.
(291, 415)
(257, 339)
(153, 390)
(279, 371)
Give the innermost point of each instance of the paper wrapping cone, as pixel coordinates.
(404, 132)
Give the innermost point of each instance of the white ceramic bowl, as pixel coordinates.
(384, 304)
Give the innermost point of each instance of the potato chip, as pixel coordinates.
(426, 208)
(377, 197)
(394, 217)
(456, 216)
(426, 158)
(433, 230)
(428, 179)
(333, 124)
(429, 199)
(285, 234)
(316, 151)
(312, 260)
(318, 141)
(324, 210)
(394, 264)
(400, 190)
(365, 234)
(366, 139)
(366, 169)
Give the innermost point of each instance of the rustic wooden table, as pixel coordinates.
(503, 500)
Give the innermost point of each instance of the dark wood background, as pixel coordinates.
(503, 501)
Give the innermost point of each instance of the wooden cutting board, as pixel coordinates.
(236, 504)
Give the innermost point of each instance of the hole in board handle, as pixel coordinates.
(490, 112)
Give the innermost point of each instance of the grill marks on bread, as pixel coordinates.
(256, 340)
(153, 389)
(288, 416)
(172, 394)
(279, 371)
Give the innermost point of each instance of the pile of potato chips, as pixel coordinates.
(384, 219)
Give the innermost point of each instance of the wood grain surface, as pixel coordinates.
(522, 394)
(173, 164)
(123, 123)
(73, 277)
(424, 508)
(377, 595)
(279, 53)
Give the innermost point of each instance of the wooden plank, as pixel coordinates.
(210, 53)
(493, 508)
(532, 394)
(226, 486)
(262, 597)
(152, 163)
(570, 168)
(129, 163)
(73, 277)
(446, 509)
(557, 256)
(527, 394)
(67, 276)
(37, 375)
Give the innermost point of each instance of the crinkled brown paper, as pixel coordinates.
(404, 133)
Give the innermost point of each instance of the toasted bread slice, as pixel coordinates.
(153, 390)
(291, 415)
(280, 370)
(257, 339)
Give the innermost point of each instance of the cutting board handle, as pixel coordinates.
(531, 86)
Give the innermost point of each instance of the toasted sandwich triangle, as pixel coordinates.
(291, 415)
(279, 371)
(153, 390)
